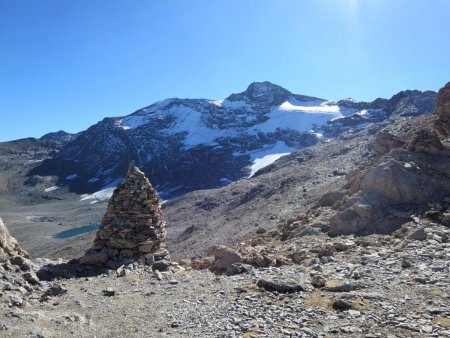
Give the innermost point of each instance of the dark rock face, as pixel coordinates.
(280, 286)
(411, 103)
(263, 93)
(59, 136)
(133, 228)
(407, 103)
(442, 125)
(101, 146)
(342, 304)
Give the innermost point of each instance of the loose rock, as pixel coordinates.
(280, 286)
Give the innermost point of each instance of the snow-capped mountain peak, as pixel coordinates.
(262, 92)
(188, 144)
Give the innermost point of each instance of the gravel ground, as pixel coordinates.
(393, 288)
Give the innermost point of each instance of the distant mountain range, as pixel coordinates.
(190, 144)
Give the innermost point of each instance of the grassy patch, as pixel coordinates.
(331, 283)
(320, 300)
(436, 293)
(133, 278)
(442, 321)
(323, 300)
(252, 333)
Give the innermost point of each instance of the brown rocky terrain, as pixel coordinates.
(373, 286)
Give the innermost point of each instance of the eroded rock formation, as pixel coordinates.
(406, 176)
(442, 125)
(8, 244)
(133, 228)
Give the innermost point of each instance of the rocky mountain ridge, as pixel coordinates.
(60, 136)
(191, 144)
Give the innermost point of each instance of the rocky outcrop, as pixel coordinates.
(18, 281)
(425, 141)
(224, 257)
(388, 191)
(8, 244)
(406, 177)
(133, 228)
(442, 125)
(385, 142)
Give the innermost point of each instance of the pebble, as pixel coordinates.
(342, 304)
(109, 292)
(318, 281)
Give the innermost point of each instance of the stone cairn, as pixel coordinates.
(133, 228)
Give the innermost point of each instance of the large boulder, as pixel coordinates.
(133, 227)
(224, 257)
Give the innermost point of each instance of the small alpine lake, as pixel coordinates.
(76, 231)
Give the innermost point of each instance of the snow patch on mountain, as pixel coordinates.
(234, 104)
(190, 121)
(267, 156)
(225, 181)
(302, 118)
(310, 106)
(104, 194)
(101, 195)
(217, 103)
(131, 121)
(293, 114)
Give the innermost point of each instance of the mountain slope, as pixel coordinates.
(279, 193)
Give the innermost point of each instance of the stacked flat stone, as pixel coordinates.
(133, 228)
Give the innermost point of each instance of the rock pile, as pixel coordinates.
(133, 228)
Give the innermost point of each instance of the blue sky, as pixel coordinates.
(67, 64)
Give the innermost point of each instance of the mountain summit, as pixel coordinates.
(264, 92)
